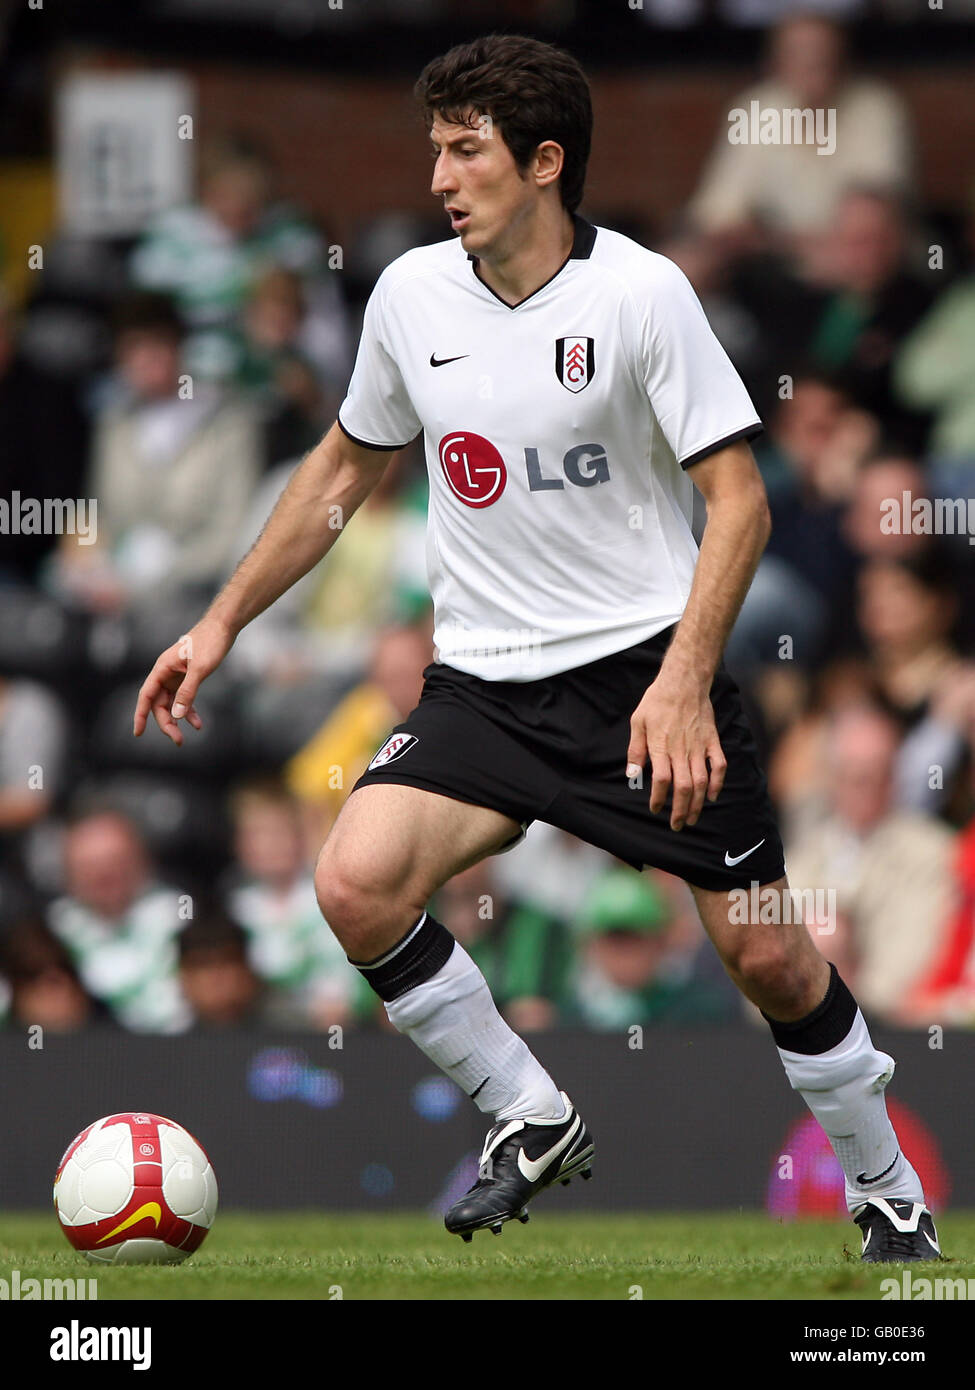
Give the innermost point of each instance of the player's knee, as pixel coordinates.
(360, 907)
(347, 904)
(770, 966)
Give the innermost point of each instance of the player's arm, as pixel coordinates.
(674, 724)
(323, 493)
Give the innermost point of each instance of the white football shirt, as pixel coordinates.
(557, 434)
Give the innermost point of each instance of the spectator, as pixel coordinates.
(119, 924)
(708, 269)
(789, 190)
(876, 525)
(524, 951)
(906, 610)
(934, 370)
(889, 869)
(810, 460)
(638, 949)
(872, 301)
(946, 992)
(42, 983)
(276, 371)
(173, 467)
(33, 747)
(217, 979)
(931, 757)
(880, 478)
(798, 777)
(327, 623)
(211, 255)
(937, 750)
(378, 575)
(550, 870)
(290, 947)
(323, 773)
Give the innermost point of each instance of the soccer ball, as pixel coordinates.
(135, 1189)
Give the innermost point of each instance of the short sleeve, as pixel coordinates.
(697, 396)
(377, 411)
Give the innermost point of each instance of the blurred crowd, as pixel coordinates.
(176, 379)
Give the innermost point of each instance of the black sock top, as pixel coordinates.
(827, 1025)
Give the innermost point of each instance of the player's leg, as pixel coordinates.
(388, 852)
(390, 849)
(830, 1060)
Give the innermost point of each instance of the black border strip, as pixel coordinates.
(749, 432)
(379, 448)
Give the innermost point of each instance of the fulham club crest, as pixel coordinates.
(575, 362)
(392, 749)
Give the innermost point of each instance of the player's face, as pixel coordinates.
(484, 193)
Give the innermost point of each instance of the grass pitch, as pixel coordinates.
(309, 1255)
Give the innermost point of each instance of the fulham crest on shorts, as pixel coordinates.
(394, 747)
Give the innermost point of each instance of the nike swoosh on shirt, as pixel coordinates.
(533, 1168)
(148, 1209)
(731, 862)
(442, 361)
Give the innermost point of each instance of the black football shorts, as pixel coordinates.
(554, 750)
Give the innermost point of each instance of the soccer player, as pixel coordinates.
(571, 395)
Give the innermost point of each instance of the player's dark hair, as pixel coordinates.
(532, 91)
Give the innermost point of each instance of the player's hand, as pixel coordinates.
(170, 688)
(673, 728)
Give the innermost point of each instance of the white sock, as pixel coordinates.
(453, 1019)
(844, 1089)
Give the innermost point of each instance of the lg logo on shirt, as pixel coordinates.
(477, 474)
